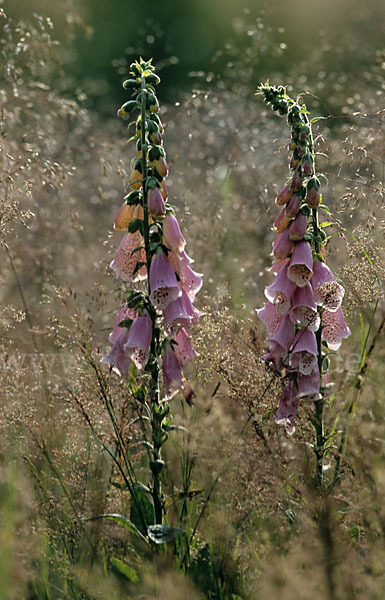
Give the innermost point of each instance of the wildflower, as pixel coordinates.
(304, 310)
(172, 373)
(292, 206)
(124, 216)
(124, 314)
(138, 341)
(334, 328)
(304, 353)
(300, 268)
(126, 260)
(308, 386)
(287, 410)
(270, 317)
(284, 195)
(190, 281)
(282, 246)
(156, 205)
(176, 316)
(280, 343)
(327, 292)
(117, 358)
(163, 283)
(298, 227)
(280, 292)
(281, 220)
(183, 348)
(172, 234)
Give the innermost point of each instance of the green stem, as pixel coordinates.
(154, 385)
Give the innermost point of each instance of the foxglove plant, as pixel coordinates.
(303, 316)
(152, 333)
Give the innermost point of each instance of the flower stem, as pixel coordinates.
(154, 383)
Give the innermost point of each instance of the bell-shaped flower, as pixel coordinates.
(178, 314)
(126, 260)
(172, 234)
(281, 291)
(304, 353)
(281, 221)
(135, 179)
(287, 410)
(282, 245)
(278, 265)
(172, 372)
(292, 206)
(327, 292)
(138, 341)
(280, 343)
(334, 328)
(298, 227)
(304, 310)
(308, 386)
(163, 189)
(124, 216)
(300, 268)
(270, 317)
(160, 165)
(179, 260)
(163, 283)
(183, 349)
(156, 205)
(118, 359)
(191, 282)
(284, 195)
(124, 313)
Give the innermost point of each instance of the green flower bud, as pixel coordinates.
(130, 84)
(127, 108)
(153, 79)
(136, 69)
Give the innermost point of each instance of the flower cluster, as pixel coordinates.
(303, 315)
(157, 323)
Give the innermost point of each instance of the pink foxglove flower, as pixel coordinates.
(117, 359)
(287, 410)
(334, 328)
(163, 283)
(292, 206)
(280, 343)
(304, 353)
(183, 349)
(138, 341)
(156, 205)
(281, 221)
(270, 317)
(304, 310)
(125, 261)
(282, 245)
(179, 260)
(308, 386)
(190, 281)
(277, 266)
(124, 217)
(172, 234)
(300, 268)
(313, 198)
(327, 292)
(124, 313)
(172, 373)
(176, 315)
(298, 227)
(280, 292)
(284, 195)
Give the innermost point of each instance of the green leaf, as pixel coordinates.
(142, 510)
(315, 119)
(124, 522)
(128, 572)
(126, 323)
(136, 225)
(162, 534)
(325, 224)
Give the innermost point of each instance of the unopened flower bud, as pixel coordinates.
(281, 221)
(127, 108)
(292, 207)
(284, 195)
(156, 204)
(298, 227)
